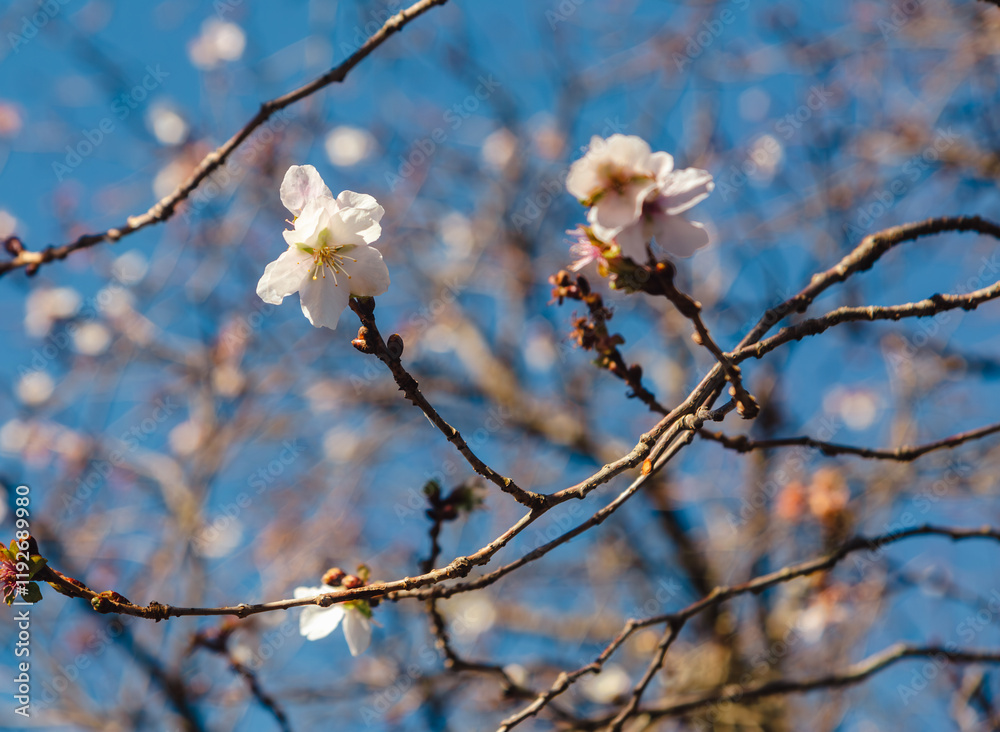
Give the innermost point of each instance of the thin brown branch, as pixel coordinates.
(662, 282)
(669, 636)
(854, 674)
(599, 517)
(167, 206)
(369, 340)
(814, 326)
(862, 258)
(904, 454)
(720, 594)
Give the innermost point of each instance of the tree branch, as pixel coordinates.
(903, 454)
(165, 207)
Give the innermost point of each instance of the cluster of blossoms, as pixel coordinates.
(328, 257)
(634, 196)
(318, 622)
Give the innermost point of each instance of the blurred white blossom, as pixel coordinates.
(347, 146)
(218, 42)
(91, 339)
(46, 306)
(166, 124)
(35, 388)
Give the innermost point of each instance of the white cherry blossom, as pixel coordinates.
(614, 177)
(673, 192)
(328, 257)
(318, 622)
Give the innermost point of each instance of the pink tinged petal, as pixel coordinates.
(314, 218)
(368, 275)
(603, 233)
(323, 299)
(301, 184)
(350, 199)
(628, 151)
(357, 631)
(678, 236)
(284, 276)
(583, 180)
(352, 226)
(632, 240)
(682, 189)
(318, 622)
(621, 209)
(660, 165)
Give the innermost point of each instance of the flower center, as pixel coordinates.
(329, 256)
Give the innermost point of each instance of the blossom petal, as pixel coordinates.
(284, 276)
(621, 209)
(584, 178)
(323, 299)
(632, 240)
(368, 274)
(318, 622)
(303, 592)
(357, 631)
(629, 151)
(618, 156)
(350, 199)
(301, 184)
(604, 233)
(661, 164)
(678, 236)
(353, 226)
(682, 189)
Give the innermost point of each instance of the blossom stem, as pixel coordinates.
(370, 341)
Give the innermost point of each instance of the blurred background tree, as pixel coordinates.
(185, 442)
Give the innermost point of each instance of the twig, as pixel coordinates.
(854, 674)
(903, 454)
(931, 306)
(369, 340)
(669, 635)
(165, 207)
(596, 519)
(216, 640)
(723, 593)
(663, 274)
